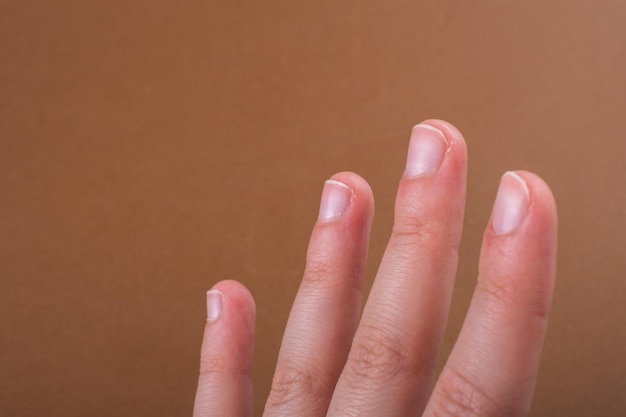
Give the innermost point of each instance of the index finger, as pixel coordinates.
(493, 367)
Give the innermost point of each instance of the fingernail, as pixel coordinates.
(427, 149)
(214, 302)
(511, 205)
(336, 199)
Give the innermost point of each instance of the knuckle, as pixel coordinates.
(411, 230)
(377, 356)
(407, 235)
(317, 270)
(293, 384)
(506, 292)
(459, 395)
(211, 365)
(500, 292)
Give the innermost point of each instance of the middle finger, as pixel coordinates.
(394, 352)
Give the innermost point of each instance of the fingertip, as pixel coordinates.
(236, 297)
(520, 244)
(542, 199)
(363, 195)
(229, 329)
(346, 196)
(425, 161)
(538, 216)
(342, 227)
(224, 385)
(453, 135)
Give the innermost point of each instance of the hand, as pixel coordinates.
(332, 363)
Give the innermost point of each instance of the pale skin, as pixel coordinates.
(335, 362)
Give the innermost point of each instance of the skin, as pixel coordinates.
(334, 363)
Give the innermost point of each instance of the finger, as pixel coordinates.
(391, 364)
(493, 366)
(325, 313)
(224, 385)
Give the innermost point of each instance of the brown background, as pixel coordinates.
(151, 148)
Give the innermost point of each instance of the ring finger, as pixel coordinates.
(325, 312)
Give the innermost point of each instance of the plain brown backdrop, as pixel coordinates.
(149, 149)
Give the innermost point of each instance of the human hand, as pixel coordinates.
(332, 363)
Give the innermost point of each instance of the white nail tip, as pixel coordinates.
(339, 183)
(520, 180)
(432, 128)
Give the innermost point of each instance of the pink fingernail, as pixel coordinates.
(214, 302)
(511, 205)
(427, 148)
(336, 199)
